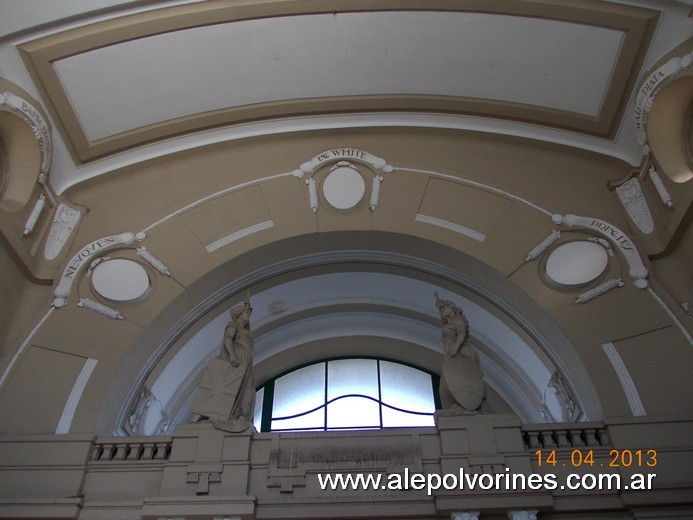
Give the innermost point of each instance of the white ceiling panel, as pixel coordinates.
(158, 78)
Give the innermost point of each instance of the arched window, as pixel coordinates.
(348, 394)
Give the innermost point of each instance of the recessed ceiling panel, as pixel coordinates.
(530, 61)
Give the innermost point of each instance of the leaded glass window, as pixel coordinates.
(347, 394)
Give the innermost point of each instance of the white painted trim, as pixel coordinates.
(239, 234)
(450, 226)
(75, 395)
(304, 124)
(23, 346)
(215, 195)
(671, 314)
(477, 185)
(625, 378)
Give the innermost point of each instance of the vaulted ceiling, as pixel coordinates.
(205, 136)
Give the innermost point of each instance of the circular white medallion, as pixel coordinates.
(343, 188)
(120, 280)
(576, 263)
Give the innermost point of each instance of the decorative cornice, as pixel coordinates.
(34, 216)
(599, 290)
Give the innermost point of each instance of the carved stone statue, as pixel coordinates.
(461, 381)
(226, 395)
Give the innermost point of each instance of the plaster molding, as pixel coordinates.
(637, 270)
(83, 257)
(550, 340)
(13, 103)
(75, 395)
(137, 421)
(100, 308)
(649, 90)
(24, 345)
(267, 224)
(625, 378)
(661, 189)
(337, 155)
(34, 216)
(375, 191)
(451, 226)
(341, 154)
(604, 243)
(153, 261)
(569, 410)
(633, 199)
(313, 195)
(599, 290)
(65, 221)
(542, 246)
(673, 316)
(481, 125)
(481, 185)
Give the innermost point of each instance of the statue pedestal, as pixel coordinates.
(207, 461)
(484, 444)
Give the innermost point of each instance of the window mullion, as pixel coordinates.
(267, 404)
(380, 397)
(325, 399)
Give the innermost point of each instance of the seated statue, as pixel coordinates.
(226, 395)
(461, 381)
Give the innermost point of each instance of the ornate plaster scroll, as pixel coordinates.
(568, 408)
(542, 246)
(100, 308)
(661, 189)
(83, 258)
(633, 199)
(34, 216)
(137, 421)
(599, 290)
(153, 261)
(10, 102)
(343, 156)
(375, 191)
(649, 89)
(65, 221)
(636, 268)
(313, 195)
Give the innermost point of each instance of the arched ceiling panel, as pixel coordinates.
(124, 82)
(230, 65)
